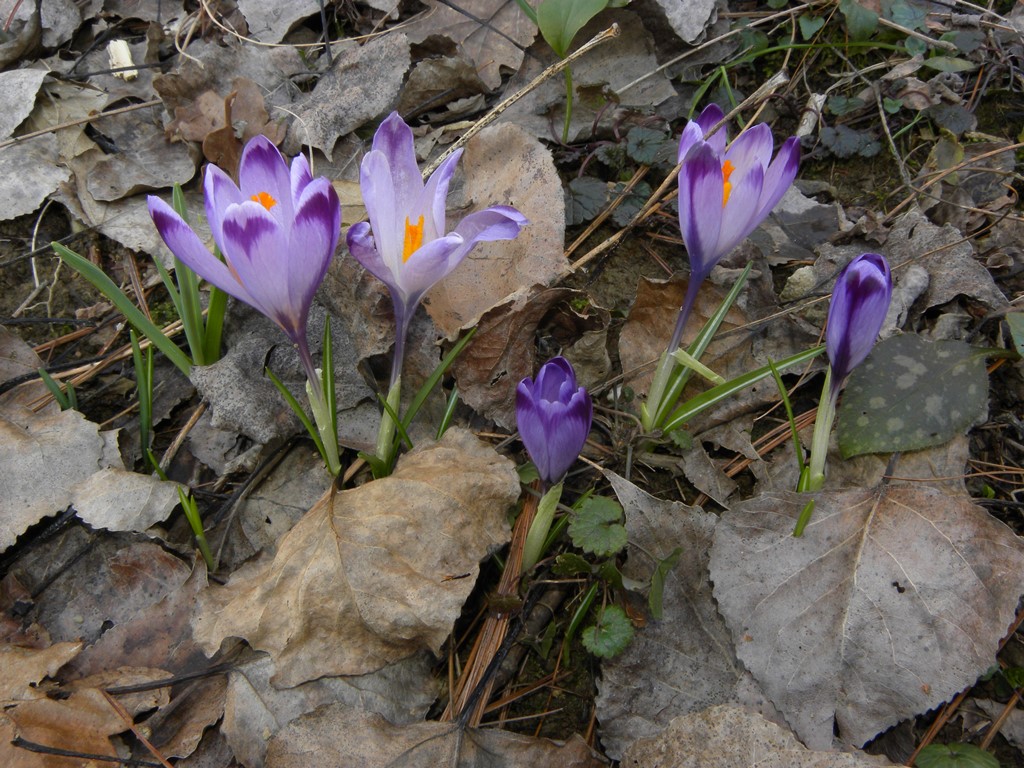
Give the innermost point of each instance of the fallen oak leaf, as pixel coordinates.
(361, 581)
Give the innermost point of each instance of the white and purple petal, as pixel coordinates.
(859, 305)
(185, 244)
(395, 141)
(701, 188)
(263, 170)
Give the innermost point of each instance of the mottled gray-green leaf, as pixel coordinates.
(955, 756)
(911, 393)
(584, 199)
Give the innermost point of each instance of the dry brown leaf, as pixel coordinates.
(19, 88)
(158, 635)
(892, 601)
(502, 352)
(118, 500)
(42, 457)
(110, 579)
(255, 710)
(436, 82)
(362, 83)
(341, 737)
(629, 58)
(29, 173)
(652, 318)
(364, 578)
(83, 722)
(732, 737)
(270, 22)
(685, 662)
(17, 360)
(504, 165)
(488, 47)
(24, 667)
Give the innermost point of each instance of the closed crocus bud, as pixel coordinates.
(860, 302)
(553, 414)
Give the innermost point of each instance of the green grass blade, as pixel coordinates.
(699, 346)
(434, 380)
(55, 389)
(715, 395)
(297, 409)
(133, 314)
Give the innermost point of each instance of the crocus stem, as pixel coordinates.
(402, 321)
(322, 417)
(667, 364)
(386, 433)
(540, 526)
(568, 105)
(823, 421)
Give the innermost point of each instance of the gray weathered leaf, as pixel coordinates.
(731, 737)
(685, 662)
(893, 600)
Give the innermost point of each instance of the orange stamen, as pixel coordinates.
(413, 238)
(727, 169)
(264, 199)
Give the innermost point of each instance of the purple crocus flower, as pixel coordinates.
(405, 244)
(860, 302)
(725, 192)
(277, 230)
(553, 415)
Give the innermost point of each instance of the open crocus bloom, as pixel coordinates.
(277, 230)
(725, 192)
(859, 305)
(553, 415)
(405, 244)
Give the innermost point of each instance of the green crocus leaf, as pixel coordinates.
(911, 393)
(610, 635)
(1016, 322)
(955, 756)
(560, 20)
(597, 527)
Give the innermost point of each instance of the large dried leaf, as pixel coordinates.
(504, 165)
(502, 352)
(731, 737)
(270, 22)
(628, 59)
(42, 457)
(491, 33)
(892, 601)
(118, 500)
(363, 579)
(362, 83)
(341, 737)
(19, 89)
(685, 662)
(29, 173)
(255, 710)
(158, 635)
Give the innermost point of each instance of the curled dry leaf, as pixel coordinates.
(255, 710)
(504, 165)
(502, 353)
(732, 737)
(364, 578)
(42, 457)
(341, 737)
(492, 47)
(892, 601)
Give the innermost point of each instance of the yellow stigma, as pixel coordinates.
(413, 238)
(727, 169)
(264, 199)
